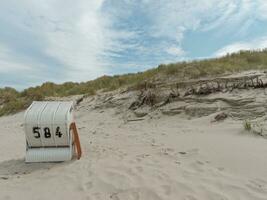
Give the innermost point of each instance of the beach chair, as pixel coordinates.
(51, 133)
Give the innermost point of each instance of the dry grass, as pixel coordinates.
(247, 125)
(12, 101)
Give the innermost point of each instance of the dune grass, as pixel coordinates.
(12, 101)
(247, 125)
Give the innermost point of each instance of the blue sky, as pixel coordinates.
(64, 40)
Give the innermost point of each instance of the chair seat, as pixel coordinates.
(55, 154)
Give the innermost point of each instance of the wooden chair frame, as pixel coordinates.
(77, 143)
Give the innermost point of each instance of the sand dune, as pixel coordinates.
(155, 158)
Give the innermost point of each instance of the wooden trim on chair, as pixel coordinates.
(76, 140)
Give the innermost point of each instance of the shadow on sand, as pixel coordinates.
(19, 167)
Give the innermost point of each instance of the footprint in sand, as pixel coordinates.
(135, 194)
(167, 151)
(89, 185)
(166, 189)
(257, 186)
(220, 168)
(7, 197)
(139, 169)
(190, 197)
(189, 153)
(140, 157)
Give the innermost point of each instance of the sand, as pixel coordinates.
(158, 157)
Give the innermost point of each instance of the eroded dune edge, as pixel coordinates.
(162, 141)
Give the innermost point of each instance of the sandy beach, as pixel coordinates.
(153, 156)
(133, 100)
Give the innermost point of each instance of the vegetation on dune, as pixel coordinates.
(247, 125)
(12, 101)
(256, 127)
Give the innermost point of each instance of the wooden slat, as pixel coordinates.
(76, 140)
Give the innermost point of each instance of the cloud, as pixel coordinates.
(58, 41)
(7, 63)
(175, 51)
(159, 26)
(257, 44)
(262, 9)
(77, 36)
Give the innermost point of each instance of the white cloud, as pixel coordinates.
(76, 39)
(80, 37)
(175, 51)
(235, 47)
(223, 13)
(262, 9)
(7, 62)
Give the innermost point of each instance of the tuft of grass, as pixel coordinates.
(13, 106)
(255, 127)
(247, 125)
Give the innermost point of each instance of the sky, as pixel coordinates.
(65, 40)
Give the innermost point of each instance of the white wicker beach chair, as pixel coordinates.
(51, 133)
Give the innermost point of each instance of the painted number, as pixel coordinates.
(36, 132)
(58, 133)
(47, 133)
